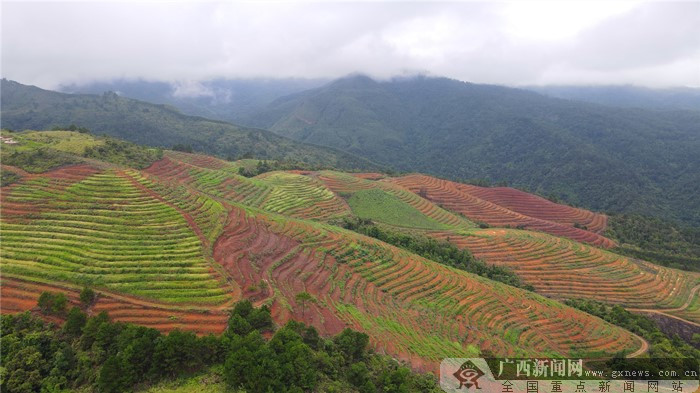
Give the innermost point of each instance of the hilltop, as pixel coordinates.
(601, 158)
(175, 244)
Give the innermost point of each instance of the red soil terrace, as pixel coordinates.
(510, 209)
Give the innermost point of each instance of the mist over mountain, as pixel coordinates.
(627, 96)
(625, 160)
(221, 99)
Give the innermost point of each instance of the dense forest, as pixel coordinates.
(104, 356)
(656, 240)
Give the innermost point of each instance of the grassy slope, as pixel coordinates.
(378, 205)
(39, 151)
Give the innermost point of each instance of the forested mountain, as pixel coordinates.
(627, 96)
(221, 99)
(611, 159)
(29, 107)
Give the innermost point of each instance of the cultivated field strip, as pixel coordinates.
(286, 193)
(412, 308)
(208, 215)
(199, 160)
(537, 207)
(453, 196)
(19, 294)
(301, 196)
(104, 231)
(147, 240)
(565, 269)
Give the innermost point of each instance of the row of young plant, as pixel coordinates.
(600, 272)
(105, 231)
(442, 252)
(95, 354)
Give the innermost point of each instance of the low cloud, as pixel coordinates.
(650, 44)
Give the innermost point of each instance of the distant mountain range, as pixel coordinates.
(627, 96)
(29, 107)
(221, 99)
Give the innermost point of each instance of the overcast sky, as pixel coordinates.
(653, 44)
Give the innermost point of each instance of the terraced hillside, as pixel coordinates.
(562, 268)
(404, 200)
(286, 193)
(174, 245)
(555, 266)
(410, 306)
(111, 233)
(496, 208)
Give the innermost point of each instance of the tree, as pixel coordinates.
(74, 322)
(59, 303)
(23, 370)
(352, 344)
(304, 298)
(110, 378)
(87, 296)
(45, 302)
(52, 303)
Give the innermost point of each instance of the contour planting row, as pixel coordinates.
(207, 215)
(562, 268)
(35, 188)
(107, 232)
(199, 160)
(412, 308)
(537, 207)
(219, 183)
(302, 196)
(280, 192)
(450, 195)
(20, 295)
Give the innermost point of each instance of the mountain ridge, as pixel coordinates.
(587, 154)
(30, 107)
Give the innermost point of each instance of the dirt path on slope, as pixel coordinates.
(665, 312)
(641, 351)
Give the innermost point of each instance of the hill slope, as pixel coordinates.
(207, 237)
(602, 158)
(28, 107)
